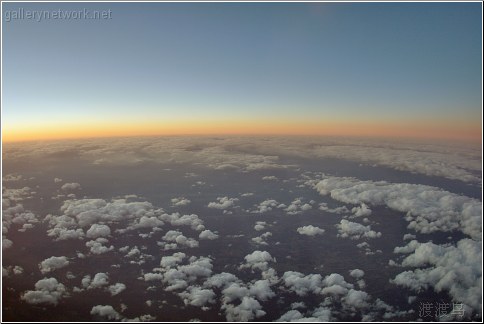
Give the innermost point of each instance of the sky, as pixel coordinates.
(352, 69)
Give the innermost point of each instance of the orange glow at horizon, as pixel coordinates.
(407, 129)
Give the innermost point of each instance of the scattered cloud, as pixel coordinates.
(310, 230)
(53, 263)
(47, 291)
(428, 209)
(180, 201)
(71, 186)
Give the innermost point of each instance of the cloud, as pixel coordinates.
(270, 178)
(291, 316)
(47, 291)
(297, 207)
(234, 291)
(71, 186)
(17, 270)
(357, 273)
(97, 247)
(97, 230)
(116, 288)
(12, 177)
(6, 243)
(178, 238)
(355, 230)
(191, 220)
(53, 263)
(106, 311)
(428, 209)
(301, 284)
(197, 296)
(172, 260)
(258, 260)
(455, 269)
(220, 280)
(177, 275)
(310, 230)
(247, 310)
(356, 299)
(100, 279)
(259, 226)
(180, 201)
(266, 206)
(207, 235)
(337, 210)
(223, 203)
(61, 234)
(361, 211)
(57, 180)
(262, 239)
(261, 290)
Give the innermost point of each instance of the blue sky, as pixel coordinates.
(252, 60)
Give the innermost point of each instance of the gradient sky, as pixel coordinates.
(395, 69)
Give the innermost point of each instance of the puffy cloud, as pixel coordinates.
(116, 288)
(86, 212)
(220, 280)
(146, 222)
(247, 310)
(207, 235)
(267, 205)
(179, 239)
(310, 230)
(337, 210)
(97, 230)
(455, 269)
(234, 292)
(172, 260)
(297, 207)
(100, 279)
(361, 211)
(17, 270)
(258, 260)
(262, 238)
(261, 290)
(61, 234)
(223, 203)
(106, 311)
(97, 247)
(71, 186)
(197, 296)
(176, 219)
(269, 178)
(355, 230)
(6, 243)
(53, 263)
(409, 236)
(152, 276)
(180, 201)
(428, 209)
(47, 291)
(356, 299)
(301, 284)
(177, 275)
(291, 316)
(357, 273)
(57, 180)
(259, 226)
(12, 177)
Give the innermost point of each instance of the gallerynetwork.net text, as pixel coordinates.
(59, 14)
